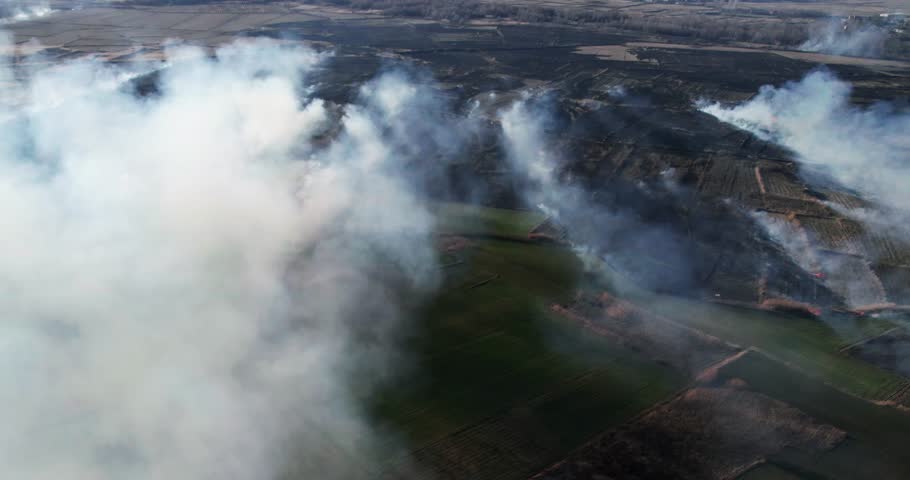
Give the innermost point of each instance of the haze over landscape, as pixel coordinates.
(470, 239)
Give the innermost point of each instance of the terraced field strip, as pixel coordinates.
(530, 435)
(844, 199)
(880, 393)
(867, 339)
(500, 387)
(769, 471)
(877, 435)
(810, 344)
(784, 185)
(727, 178)
(887, 250)
(836, 235)
(601, 451)
(901, 396)
(464, 219)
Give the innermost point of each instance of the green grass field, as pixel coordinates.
(502, 388)
(877, 435)
(810, 345)
(462, 219)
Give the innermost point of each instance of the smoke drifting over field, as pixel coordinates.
(525, 140)
(616, 224)
(838, 38)
(188, 279)
(865, 149)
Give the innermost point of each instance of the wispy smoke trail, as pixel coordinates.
(610, 225)
(837, 37)
(189, 280)
(530, 153)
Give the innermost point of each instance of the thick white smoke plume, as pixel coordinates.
(187, 279)
(865, 149)
(837, 37)
(530, 154)
(12, 11)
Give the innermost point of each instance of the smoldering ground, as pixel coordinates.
(200, 283)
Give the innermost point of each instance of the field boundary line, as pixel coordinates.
(823, 381)
(869, 339)
(503, 412)
(694, 382)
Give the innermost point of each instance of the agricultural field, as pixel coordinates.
(702, 433)
(751, 418)
(876, 433)
(810, 345)
(503, 386)
(887, 350)
(521, 362)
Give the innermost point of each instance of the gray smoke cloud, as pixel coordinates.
(12, 11)
(836, 37)
(189, 280)
(603, 223)
(864, 149)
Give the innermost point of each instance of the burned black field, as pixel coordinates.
(701, 303)
(652, 130)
